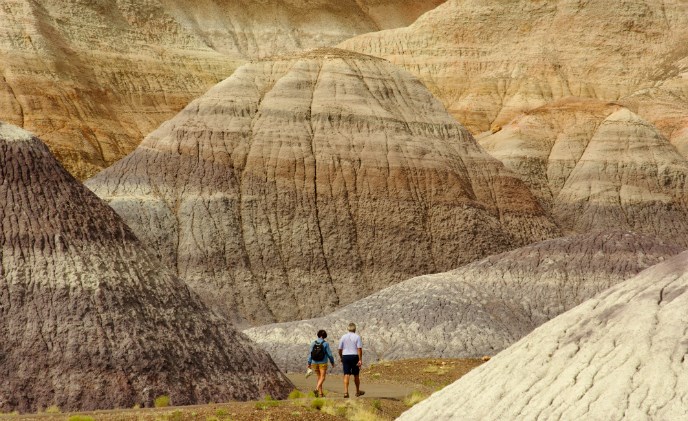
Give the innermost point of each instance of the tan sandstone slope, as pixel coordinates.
(88, 318)
(306, 182)
(620, 355)
(478, 309)
(595, 165)
(490, 60)
(93, 77)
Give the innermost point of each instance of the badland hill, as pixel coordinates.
(489, 61)
(88, 318)
(595, 165)
(92, 78)
(303, 183)
(619, 355)
(480, 308)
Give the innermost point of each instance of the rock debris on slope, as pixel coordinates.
(620, 355)
(303, 183)
(88, 318)
(595, 165)
(478, 309)
(488, 61)
(91, 78)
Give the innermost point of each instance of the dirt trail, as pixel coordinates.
(334, 386)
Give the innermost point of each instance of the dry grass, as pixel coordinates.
(425, 376)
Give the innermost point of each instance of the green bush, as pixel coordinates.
(296, 394)
(267, 402)
(377, 404)
(317, 404)
(222, 412)
(414, 398)
(162, 401)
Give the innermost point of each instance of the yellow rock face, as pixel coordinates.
(488, 61)
(92, 78)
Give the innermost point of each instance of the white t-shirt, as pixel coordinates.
(350, 343)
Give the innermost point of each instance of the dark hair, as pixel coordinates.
(322, 334)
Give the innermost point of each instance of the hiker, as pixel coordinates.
(317, 360)
(351, 355)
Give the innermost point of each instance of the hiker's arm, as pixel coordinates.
(310, 359)
(360, 357)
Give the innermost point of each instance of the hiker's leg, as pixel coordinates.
(346, 384)
(357, 381)
(321, 379)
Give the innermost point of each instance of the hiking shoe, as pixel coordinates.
(346, 395)
(360, 393)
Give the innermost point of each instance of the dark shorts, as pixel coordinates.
(350, 364)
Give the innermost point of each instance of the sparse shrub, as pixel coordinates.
(222, 412)
(136, 406)
(296, 394)
(176, 416)
(332, 408)
(267, 402)
(53, 409)
(376, 375)
(162, 401)
(212, 419)
(414, 398)
(317, 403)
(377, 404)
(80, 418)
(362, 414)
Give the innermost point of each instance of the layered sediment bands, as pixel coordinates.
(303, 183)
(620, 355)
(478, 309)
(88, 318)
(92, 78)
(596, 165)
(489, 61)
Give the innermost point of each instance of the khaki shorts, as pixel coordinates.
(319, 367)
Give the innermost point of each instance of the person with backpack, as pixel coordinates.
(317, 360)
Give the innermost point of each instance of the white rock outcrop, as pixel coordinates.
(620, 355)
(478, 309)
(88, 318)
(306, 182)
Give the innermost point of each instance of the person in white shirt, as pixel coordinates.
(351, 355)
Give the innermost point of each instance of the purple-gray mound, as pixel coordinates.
(88, 318)
(480, 308)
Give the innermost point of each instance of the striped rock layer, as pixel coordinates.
(488, 61)
(92, 78)
(596, 165)
(620, 355)
(88, 318)
(478, 309)
(303, 183)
